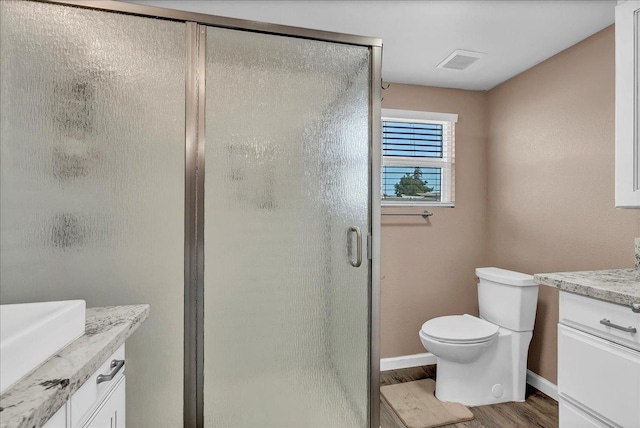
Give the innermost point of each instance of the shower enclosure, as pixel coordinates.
(224, 171)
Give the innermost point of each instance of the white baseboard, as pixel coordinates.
(542, 385)
(406, 361)
(416, 360)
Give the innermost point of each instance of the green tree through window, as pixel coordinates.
(412, 184)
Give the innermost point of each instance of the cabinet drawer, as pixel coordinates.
(573, 417)
(85, 400)
(112, 412)
(600, 375)
(586, 314)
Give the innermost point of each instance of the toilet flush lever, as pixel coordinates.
(608, 323)
(356, 230)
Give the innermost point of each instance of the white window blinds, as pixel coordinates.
(417, 158)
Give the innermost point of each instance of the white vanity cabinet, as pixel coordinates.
(99, 402)
(628, 104)
(598, 363)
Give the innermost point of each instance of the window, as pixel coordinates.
(417, 158)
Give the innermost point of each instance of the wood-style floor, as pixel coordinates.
(537, 411)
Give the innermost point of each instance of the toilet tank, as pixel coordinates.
(507, 298)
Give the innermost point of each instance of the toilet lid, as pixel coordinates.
(459, 329)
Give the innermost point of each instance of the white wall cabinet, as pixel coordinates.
(628, 104)
(598, 363)
(100, 402)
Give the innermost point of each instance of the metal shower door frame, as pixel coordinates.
(193, 409)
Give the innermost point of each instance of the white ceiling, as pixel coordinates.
(417, 35)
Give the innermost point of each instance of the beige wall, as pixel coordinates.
(551, 177)
(427, 267)
(534, 193)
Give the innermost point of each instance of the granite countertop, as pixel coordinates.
(621, 286)
(36, 397)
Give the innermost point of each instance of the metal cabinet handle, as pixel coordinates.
(358, 233)
(608, 323)
(116, 365)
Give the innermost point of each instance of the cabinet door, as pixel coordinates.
(111, 413)
(627, 105)
(599, 375)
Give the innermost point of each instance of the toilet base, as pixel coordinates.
(498, 376)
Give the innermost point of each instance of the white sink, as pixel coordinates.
(30, 333)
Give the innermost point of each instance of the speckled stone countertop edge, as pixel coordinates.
(619, 286)
(38, 396)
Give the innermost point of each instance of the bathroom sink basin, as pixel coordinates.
(30, 333)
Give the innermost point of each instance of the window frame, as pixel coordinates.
(445, 163)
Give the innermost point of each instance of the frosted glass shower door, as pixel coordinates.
(92, 167)
(286, 336)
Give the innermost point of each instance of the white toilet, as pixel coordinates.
(484, 360)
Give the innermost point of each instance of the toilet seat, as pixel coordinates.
(459, 329)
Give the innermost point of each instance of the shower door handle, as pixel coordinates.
(356, 230)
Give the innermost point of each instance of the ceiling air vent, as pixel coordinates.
(460, 59)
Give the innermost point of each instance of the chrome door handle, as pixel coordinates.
(608, 323)
(358, 233)
(116, 365)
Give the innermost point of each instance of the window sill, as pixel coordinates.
(402, 204)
